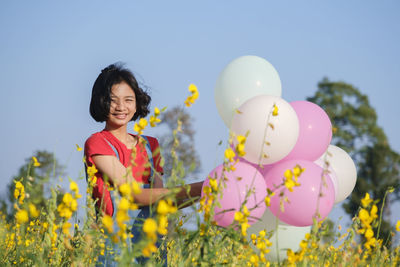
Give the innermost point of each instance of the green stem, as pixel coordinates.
(380, 214)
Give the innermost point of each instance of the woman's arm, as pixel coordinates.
(117, 173)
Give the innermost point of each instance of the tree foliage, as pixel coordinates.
(356, 130)
(185, 151)
(35, 179)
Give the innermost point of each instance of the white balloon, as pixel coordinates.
(273, 136)
(242, 79)
(283, 238)
(344, 168)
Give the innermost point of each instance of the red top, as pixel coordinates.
(97, 145)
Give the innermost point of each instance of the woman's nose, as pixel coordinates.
(119, 105)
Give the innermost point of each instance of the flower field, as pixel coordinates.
(52, 236)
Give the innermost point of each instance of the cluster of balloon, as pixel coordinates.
(279, 137)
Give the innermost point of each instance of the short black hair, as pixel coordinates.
(111, 75)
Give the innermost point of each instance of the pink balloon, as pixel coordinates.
(305, 200)
(235, 190)
(315, 132)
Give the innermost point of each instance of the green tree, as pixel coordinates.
(185, 151)
(35, 178)
(356, 130)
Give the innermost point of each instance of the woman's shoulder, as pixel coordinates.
(95, 137)
(95, 141)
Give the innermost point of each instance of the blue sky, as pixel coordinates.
(51, 53)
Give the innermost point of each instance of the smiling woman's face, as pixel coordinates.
(122, 105)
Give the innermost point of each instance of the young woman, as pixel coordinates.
(116, 100)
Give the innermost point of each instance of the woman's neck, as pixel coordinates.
(120, 133)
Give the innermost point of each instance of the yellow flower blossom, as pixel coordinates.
(229, 154)
(22, 216)
(398, 226)
(369, 233)
(124, 204)
(267, 201)
(240, 146)
(65, 228)
(374, 212)
(289, 183)
(91, 170)
(33, 211)
(163, 207)
(125, 190)
(213, 184)
(150, 227)
(19, 192)
(194, 95)
(136, 188)
(162, 225)
(108, 223)
(149, 249)
(157, 111)
(238, 216)
(36, 163)
(140, 126)
(370, 243)
(262, 233)
(366, 200)
(73, 186)
(275, 110)
(154, 121)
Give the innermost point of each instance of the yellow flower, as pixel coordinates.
(398, 226)
(157, 111)
(363, 214)
(229, 154)
(22, 216)
(370, 243)
(125, 190)
(244, 227)
(122, 216)
(163, 207)
(275, 111)
(136, 188)
(238, 216)
(154, 120)
(374, 212)
(19, 192)
(74, 187)
(288, 174)
(162, 225)
(150, 227)
(91, 170)
(297, 170)
(33, 211)
(289, 183)
(149, 249)
(262, 233)
(108, 223)
(213, 184)
(366, 200)
(123, 204)
(267, 201)
(240, 146)
(194, 95)
(65, 228)
(140, 126)
(78, 147)
(36, 163)
(369, 233)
